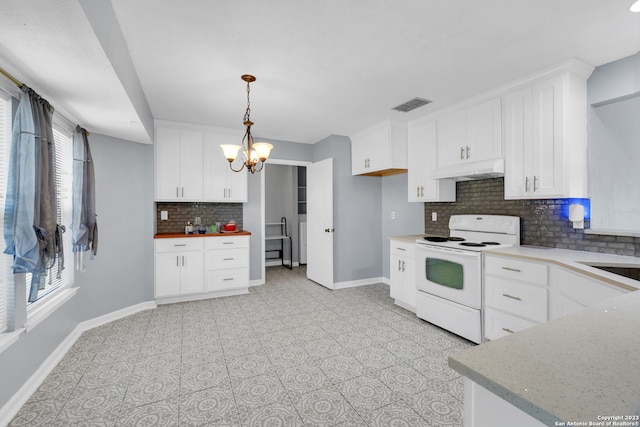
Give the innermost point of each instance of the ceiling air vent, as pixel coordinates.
(411, 105)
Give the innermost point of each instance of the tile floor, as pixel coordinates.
(290, 353)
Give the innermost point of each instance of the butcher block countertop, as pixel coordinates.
(181, 235)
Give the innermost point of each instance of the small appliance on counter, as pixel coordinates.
(230, 226)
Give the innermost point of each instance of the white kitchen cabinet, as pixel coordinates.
(422, 163)
(380, 150)
(469, 137)
(402, 274)
(571, 292)
(545, 139)
(179, 267)
(178, 164)
(227, 264)
(516, 295)
(221, 184)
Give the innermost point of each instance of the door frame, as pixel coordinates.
(263, 244)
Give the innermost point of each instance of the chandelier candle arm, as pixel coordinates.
(254, 152)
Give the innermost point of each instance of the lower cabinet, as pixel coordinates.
(402, 274)
(201, 267)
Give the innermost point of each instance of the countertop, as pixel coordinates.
(573, 260)
(181, 235)
(411, 238)
(575, 368)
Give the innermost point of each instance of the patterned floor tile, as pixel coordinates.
(202, 354)
(366, 393)
(57, 386)
(277, 339)
(340, 368)
(354, 340)
(279, 414)
(403, 380)
(438, 409)
(382, 334)
(322, 348)
(248, 366)
(111, 374)
(38, 413)
(308, 332)
(104, 402)
(240, 346)
(405, 349)
(398, 414)
(160, 345)
(287, 356)
(199, 377)
(164, 362)
(376, 357)
(117, 353)
(325, 407)
(434, 368)
(301, 379)
(152, 388)
(162, 413)
(207, 406)
(258, 391)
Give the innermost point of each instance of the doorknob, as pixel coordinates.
(329, 230)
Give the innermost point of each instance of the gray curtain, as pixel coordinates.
(84, 227)
(31, 233)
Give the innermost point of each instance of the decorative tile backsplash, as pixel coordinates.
(209, 213)
(541, 222)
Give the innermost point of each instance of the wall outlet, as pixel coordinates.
(434, 216)
(164, 215)
(393, 215)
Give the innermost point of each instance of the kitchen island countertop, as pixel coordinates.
(576, 368)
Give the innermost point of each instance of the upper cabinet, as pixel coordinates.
(468, 138)
(221, 184)
(545, 126)
(422, 163)
(190, 165)
(178, 155)
(380, 150)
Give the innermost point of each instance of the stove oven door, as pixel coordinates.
(451, 274)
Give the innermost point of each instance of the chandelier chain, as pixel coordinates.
(247, 113)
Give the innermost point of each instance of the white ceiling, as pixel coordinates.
(322, 67)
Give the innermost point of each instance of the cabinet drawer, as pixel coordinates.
(227, 279)
(498, 324)
(232, 258)
(517, 298)
(177, 245)
(516, 269)
(227, 242)
(402, 248)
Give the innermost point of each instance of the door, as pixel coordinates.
(320, 222)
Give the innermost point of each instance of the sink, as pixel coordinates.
(621, 270)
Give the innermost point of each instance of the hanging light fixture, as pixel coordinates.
(254, 153)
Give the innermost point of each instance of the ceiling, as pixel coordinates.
(322, 67)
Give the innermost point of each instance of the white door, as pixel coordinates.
(320, 222)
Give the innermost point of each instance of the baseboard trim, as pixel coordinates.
(356, 283)
(13, 405)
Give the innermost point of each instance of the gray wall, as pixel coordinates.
(409, 216)
(122, 273)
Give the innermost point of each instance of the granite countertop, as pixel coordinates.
(181, 235)
(573, 260)
(575, 368)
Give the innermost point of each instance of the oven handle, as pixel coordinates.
(441, 251)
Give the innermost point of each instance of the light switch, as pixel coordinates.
(164, 215)
(434, 216)
(393, 215)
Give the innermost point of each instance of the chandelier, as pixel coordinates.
(255, 154)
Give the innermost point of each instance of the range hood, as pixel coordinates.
(467, 171)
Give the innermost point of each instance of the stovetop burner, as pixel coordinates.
(457, 239)
(436, 239)
(490, 243)
(473, 244)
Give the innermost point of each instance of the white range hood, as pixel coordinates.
(467, 171)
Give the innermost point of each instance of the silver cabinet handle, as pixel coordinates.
(512, 269)
(177, 261)
(229, 193)
(417, 191)
(182, 191)
(183, 260)
(421, 191)
(403, 266)
(535, 183)
(228, 259)
(526, 184)
(399, 265)
(468, 150)
(182, 244)
(177, 192)
(512, 297)
(227, 243)
(461, 153)
(508, 330)
(227, 279)
(401, 249)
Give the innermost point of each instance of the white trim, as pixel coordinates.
(45, 308)
(207, 295)
(256, 282)
(356, 283)
(604, 232)
(13, 405)
(8, 338)
(8, 87)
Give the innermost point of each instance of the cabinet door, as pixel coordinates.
(452, 138)
(192, 272)
(167, 153)
(422, 163)
(215, 167)
(358, 154)
(484, 131)
(547, 142)
(409, 282)
(236, 185)
(377, 149)
(396, 278)
(191, 165)
(517, 143)
(168, 267)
